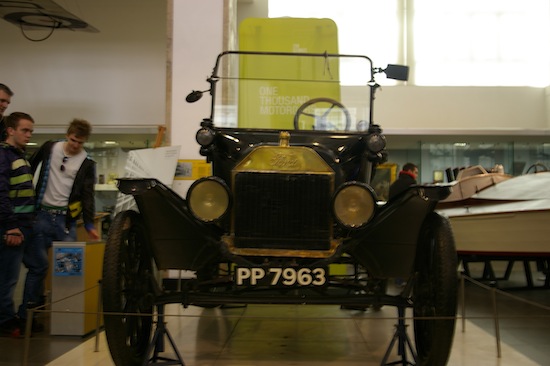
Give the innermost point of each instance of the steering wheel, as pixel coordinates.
(537, 167)
(322, 122)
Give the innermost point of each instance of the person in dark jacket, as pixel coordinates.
(64, 193)
(17, 206)
(5, 99)
(407, 177)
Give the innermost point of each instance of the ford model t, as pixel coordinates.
(288, 215)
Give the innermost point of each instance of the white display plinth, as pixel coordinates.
(75, 271)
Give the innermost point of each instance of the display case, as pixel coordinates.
(108, 147)
(435, 153)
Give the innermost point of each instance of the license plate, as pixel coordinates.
(280, 276)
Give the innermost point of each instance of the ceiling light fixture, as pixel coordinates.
(41, 15)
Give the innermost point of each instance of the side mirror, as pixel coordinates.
(397, 72)
(194, 96)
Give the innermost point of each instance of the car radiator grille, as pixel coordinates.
(282, 211)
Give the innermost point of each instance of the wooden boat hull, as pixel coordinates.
(511, 218)
(504, 233)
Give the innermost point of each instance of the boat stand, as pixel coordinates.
(403, 341)
(157, 344)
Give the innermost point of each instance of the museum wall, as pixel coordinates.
(462, 108)
(114, 77)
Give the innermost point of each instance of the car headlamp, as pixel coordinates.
(354, 205)
(205, 136)
(376, 142)
(208, 199)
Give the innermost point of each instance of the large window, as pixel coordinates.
(368, 28)
(487, 42)
(469, 42)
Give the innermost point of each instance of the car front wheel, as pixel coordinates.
(127, 293)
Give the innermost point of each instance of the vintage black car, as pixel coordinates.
(288, 215)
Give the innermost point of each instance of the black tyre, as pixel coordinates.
(127, 271)
(435, 292)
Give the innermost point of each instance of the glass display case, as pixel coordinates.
(435, 154)
(109, 149)
(458, 155)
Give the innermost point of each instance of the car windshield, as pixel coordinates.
(291, 91)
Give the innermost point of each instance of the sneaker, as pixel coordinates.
(10, 328)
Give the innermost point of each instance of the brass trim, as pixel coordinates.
(290, 159)
(284, 139)
(228, 240)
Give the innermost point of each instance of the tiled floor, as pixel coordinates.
(265, 335)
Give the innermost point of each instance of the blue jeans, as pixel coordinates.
(10, 265)
(48, 228)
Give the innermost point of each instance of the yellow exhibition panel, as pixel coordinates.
(272, 88)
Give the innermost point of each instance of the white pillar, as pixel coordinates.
(196, 39)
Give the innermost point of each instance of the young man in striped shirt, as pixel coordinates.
(17, 205)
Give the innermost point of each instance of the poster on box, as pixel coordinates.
(68, 261)
(192, 169)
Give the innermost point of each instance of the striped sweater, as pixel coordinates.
(17, 199)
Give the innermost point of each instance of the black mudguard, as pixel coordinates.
(178, 240)
(388, 246)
